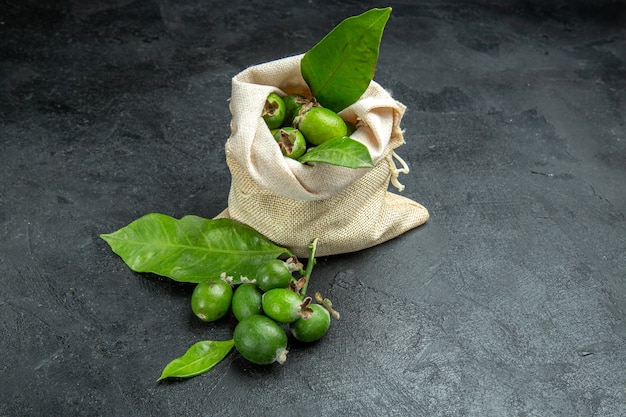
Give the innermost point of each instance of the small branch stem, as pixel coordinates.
(309, 267)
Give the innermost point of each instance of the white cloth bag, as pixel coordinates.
(291, 203)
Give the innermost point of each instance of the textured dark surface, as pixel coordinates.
(510, 301)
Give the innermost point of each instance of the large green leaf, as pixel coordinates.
(201, 357)
(192, 249)
(342, 151)
(341, 66)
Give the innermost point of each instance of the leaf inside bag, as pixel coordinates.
(341, 66)
(342, 151)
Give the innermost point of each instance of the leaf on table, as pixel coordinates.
(201, 357)
(342, 151)
(341, 66)
(192, 249)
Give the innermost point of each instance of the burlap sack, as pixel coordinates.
(291, 203)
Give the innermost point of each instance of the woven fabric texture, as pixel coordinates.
(291, 203)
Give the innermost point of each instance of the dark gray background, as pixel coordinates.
(510, 301)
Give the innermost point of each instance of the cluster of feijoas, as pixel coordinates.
(299, 123)
(266, 307)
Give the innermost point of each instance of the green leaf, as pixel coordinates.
(341, 66)
(342, 151)
(201, 357)
(192, 249)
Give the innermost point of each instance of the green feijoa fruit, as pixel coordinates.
(320, 124)
(273, 111)
(282, 305)
(313, 328)
(273, 274)
(293, 105)
(260, 340)
(291, 142)
(246, 301)
(210, 300)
